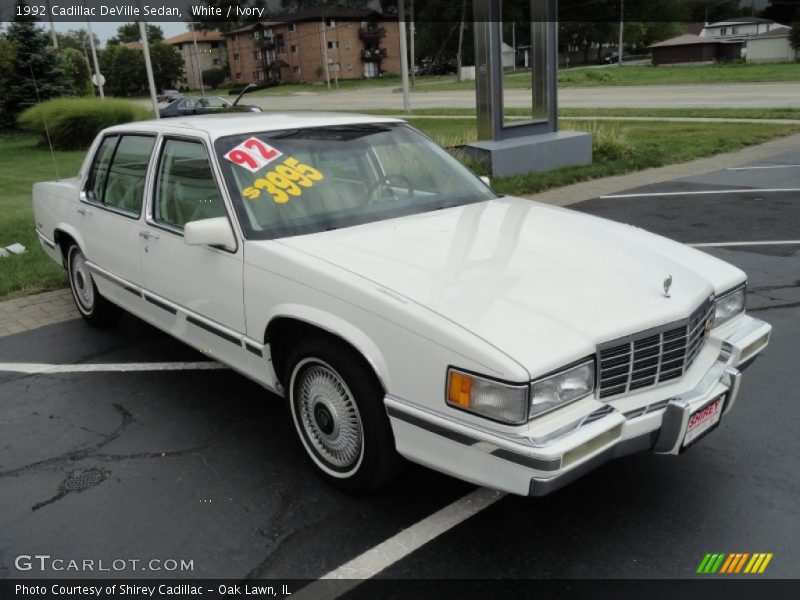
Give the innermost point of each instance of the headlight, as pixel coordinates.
(729, 305)
(562, 388)
(504, 402)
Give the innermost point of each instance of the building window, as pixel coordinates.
(257, 55)
(734, 30)
(296, 70)
(280, 42)
(293, 48)
(349, 66)
(234, 37)
(333, 45)
(330, 22)
(236, 56)
(215, 45)
(723, 31)
(239, 76)
(216, 62)
(292, 27)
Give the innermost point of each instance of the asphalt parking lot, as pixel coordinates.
(201, 464)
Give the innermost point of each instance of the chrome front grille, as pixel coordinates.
(654, 356)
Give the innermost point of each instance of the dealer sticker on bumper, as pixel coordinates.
(703, 420)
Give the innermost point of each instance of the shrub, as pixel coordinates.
(608, 142)
(213, 78)
(74, 122)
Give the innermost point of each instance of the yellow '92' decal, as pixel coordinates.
(285, 180)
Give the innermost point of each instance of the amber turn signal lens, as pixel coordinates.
(459, 390)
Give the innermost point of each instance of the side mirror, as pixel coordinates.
(210, 232)
(486, 180)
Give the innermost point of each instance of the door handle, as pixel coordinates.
(148, 236)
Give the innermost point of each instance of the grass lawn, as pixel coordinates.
(637, 75)
(693, 113)
(23, 162)
(620, 147)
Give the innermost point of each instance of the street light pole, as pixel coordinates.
(94, 60)
(197, 61)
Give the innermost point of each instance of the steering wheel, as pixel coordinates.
(385, 182)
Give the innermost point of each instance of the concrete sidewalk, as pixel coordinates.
(38, 310)
(30, 312)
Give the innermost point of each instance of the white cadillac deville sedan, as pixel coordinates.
(402, 307)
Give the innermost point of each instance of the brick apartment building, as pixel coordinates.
(210, 55)
(354, 44)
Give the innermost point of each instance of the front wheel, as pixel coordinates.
(94, 307)
(337, 408)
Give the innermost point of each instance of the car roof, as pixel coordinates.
(221, 125)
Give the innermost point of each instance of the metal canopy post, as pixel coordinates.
(536, 144)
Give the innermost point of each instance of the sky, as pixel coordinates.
(107, 30)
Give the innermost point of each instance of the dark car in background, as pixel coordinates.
(202, 105)
(169, 96)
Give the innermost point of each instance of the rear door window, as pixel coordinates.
(117, 177)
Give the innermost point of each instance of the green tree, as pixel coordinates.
(76, 69)
(33, 71)
(129, 32)
(213, 78)
(125, 71)
(167, 65)
(77, 39)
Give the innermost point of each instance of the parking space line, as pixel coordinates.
(765, 243)
(702, 193)
(34, 368)
(763, 167)
(399, 546)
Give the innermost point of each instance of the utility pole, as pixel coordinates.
(97, 74)
(52, 27)
(460, 39)
(148, 67)
(413, 58)
(621, 27)
(401, 13)
(197, 61)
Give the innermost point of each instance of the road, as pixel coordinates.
(749, 95)
(202, 464)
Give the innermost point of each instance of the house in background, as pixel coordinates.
(688, 48)
(739, 28)
(348, 43)
(210, 54)
(771, 46)
(753, 38)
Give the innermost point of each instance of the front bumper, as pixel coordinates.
(529, 465)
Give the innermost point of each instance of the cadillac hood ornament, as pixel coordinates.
(667, 286)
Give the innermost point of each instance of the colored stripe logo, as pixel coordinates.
(737, 562)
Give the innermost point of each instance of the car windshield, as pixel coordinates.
(299, 181)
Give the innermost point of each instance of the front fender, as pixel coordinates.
(341, 328)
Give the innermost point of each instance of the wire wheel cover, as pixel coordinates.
(82, 281)
(329, 416)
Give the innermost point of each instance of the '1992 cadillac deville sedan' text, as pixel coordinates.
(402, 307)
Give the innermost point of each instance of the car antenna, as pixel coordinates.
(46, 129)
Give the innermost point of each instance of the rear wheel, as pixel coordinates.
(337, 408)
(94, 308)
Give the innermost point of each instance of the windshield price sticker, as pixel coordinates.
(253, 154)
(284, 180)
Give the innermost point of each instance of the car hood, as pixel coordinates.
(543, 284)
